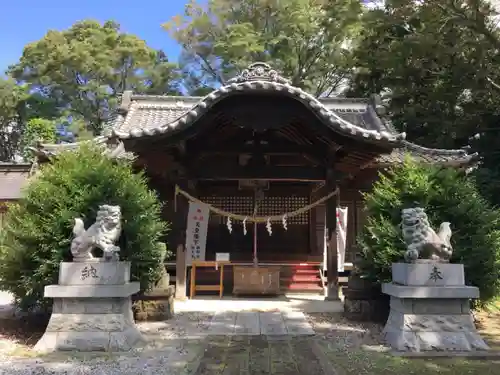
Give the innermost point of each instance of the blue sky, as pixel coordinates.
(25, 21)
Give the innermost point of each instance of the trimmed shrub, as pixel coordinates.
(446, 195)
(38, 230)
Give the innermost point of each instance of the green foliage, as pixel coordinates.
(306, 40)
(37, 130)
(39, 228)
(84, 69)
(18, 106)
(10, 129)
(446, 195)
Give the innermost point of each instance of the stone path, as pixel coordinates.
(258, 355)
(248, 323)
(214, 355)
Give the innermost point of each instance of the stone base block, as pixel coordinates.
(428, 274)
(90, 341)
(83, 324)
(418, 325)
(155, 305)
(426, 292)
(91, 291)
(365, 310)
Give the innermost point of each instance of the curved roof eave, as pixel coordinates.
(425, 155)
(330, 118)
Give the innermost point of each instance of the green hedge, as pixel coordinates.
(446, 195)
(38, 229)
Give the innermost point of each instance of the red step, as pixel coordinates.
(297, 278)
(305, 272)
(305, 287)
(303, 278)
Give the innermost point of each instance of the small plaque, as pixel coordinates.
(94, 273)
(222, 257)
(428, 274)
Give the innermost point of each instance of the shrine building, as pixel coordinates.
(255, 148)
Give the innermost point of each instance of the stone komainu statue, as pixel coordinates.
(422, 241)
(102, 234)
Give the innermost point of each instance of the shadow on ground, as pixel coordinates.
(357, 348)
(339, 347)
(488, 323)
(23, 330)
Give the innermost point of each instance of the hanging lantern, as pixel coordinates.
(229, 225)
(245, 226)
(268, 227)
(283, 220)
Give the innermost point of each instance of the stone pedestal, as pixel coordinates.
(92, 309)
(156, 305)
(429, 309)
(364, 301)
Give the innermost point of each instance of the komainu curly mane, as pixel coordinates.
(102, 234)
(422, 241)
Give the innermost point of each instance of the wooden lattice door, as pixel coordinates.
(219, 239)
(280, 245)
(283, 244)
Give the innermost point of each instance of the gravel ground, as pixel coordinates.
(171, 349)
(167, 352)
(347, 335)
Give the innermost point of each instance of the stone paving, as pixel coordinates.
(253, 338)
(256, 355)
(223, 343)
(266, 323)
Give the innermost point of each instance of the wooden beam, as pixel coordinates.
(282, 148)
(332, 281)
(220, 172)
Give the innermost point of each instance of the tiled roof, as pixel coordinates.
(51, 149)
(147, 115)
(114, 149)
(13, 178)
(426, 155)
(144, 116)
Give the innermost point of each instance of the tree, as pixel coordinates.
(438, 62)
(19, 106)
(446, 195)
(11, 98)
(434, 68)
(86, 67)
(37, 130)
(38, 230)
(306, 40)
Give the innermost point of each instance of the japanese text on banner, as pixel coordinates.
(196, 232)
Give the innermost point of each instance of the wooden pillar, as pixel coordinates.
(313, 243)
(332, 283)
(180, 223)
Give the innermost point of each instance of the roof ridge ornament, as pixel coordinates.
(259, 71)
